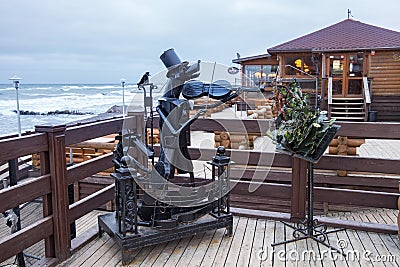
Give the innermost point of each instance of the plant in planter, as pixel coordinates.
(298, 129)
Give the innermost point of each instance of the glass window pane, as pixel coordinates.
(356, 65)
(292, 61)
(253, 75)
(337, 87)
(336, 66)
(355, 87)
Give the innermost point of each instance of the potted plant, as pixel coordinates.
(300, 130)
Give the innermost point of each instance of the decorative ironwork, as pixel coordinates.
(310, 227)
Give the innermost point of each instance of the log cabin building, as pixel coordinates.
(354, 67)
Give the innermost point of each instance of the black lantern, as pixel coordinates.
(221, 178)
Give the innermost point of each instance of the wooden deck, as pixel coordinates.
(250, 245)
(30, 213)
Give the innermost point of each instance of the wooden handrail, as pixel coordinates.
(367, 95)
(329, 96)
(330, 91)
(367, 98)
(15, 147)
(24, 192)
(87, 168)
(373, 130)
(91, 202)
(28, 236)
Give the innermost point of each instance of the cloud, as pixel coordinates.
(101, 40)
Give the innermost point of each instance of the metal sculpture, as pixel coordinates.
(149, 199)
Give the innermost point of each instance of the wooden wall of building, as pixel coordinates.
(385, 86)
(385, 71)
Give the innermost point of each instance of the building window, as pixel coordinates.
(298, 65)
(259, 75)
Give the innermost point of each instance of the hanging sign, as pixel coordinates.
(233, 70)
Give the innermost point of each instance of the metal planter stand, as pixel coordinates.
(310, 227)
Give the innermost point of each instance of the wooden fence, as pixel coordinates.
(283, 185)
(52, 186)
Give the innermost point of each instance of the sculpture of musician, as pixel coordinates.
(174, 113)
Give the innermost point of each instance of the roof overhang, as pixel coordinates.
(333, 50)
(243, 59)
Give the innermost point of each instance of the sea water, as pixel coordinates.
(92, 99)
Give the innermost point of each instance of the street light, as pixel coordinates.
(15, 79)
(123, 81)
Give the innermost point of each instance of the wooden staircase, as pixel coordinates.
(348, 109)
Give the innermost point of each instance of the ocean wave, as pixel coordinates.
(69, 87)
(100, 86)
(7, 89)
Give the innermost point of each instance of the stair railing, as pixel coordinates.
(367, 97)
(329, 96)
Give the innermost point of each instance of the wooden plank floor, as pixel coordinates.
(30, 213)
(250, 245)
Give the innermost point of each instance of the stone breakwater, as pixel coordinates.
(56, 112)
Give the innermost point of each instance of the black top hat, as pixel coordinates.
(171, 60)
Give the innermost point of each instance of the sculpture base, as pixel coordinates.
(148, 236)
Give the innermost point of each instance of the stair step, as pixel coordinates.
(348, 98)
(348, 103)
(348, 113)
(348, 108)
(348, 118)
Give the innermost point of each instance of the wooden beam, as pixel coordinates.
(271, 190)
(284, 176)
(80, 133)
(16, 147)
(227, 125)
(358, 164)
(21, 193)
(89, 167)
(83, 239)
(356, 197)
(379, 130)
(89, 203)
(298, 189)
(10, 245)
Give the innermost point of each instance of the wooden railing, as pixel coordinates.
(367, 97)
(52, 187)
(329, 96)
(284, 186)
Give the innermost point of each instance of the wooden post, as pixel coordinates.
(398, 215)
(56, 204)
(298, 190)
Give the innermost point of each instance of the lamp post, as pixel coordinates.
(123, 81)
(15, 79)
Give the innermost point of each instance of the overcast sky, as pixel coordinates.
(100, 41)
